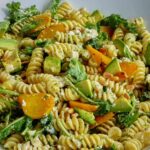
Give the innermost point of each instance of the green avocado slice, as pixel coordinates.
(124, 50)
(85, 115)
(85, 87)
(52, 65)
(113, 67)
(121, 105)
(147, 55)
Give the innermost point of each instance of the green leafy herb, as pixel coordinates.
(15, 126)
(127, 119)
(16, 13)
(98, 41)
(54, 6)
(115, 21)
(28, 50)
(28, 27)
(92, 26)
(4, 25)
(145, 96)
(76, 70)
(43, 43)
(104, 107)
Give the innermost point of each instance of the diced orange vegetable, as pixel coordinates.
(102, 119)
(128, 67)
(105, 118)
(122, 76)
(98, 56)
(107, 29)
(51, 31)
(103, 51)
(36, 105)
(84, 106)
(43, 21)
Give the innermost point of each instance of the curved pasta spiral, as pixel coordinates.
(16, 28)
(118, 34)
(68, 37)
(145, 106)
(68, 94)
(77, 16)
(111, 49)
(1, 53)
(139, 125)
(64, 9)
(105, 127)
(61, 50)
(139, 22)
(71, 122)
(36, 61)
(5, 76)
(88, 141)
(136, 47)
(6, 105)
(24, 88)
(139, 75)
(27, 42)
(129, 38)
(12, 141)
(91, 70)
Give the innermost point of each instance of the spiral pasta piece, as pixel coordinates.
(68, 37)
(118, 34)
(91, 70)
(139, 75)
(13, 141)
(68, 94)
(129, 38)
(145, 106)
(36, 61)
(27, 42)
(24, 88)
(64, 9)
(62, 50)
(136, 47)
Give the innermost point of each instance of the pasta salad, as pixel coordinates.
(71, 79)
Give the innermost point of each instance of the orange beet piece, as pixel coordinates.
(36, 105)
(128, 67)
(50, 32)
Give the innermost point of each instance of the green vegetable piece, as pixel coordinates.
(85, 87)
(12, 63)
(76, 70)
(15, 126)
(8, 92)
(85, 115)
(3, 27)
(113, 67)
(98, 15)
(124, 50)
(121, 105)
(54, 7)
(147, 55)
(8, 44)
(52, 65)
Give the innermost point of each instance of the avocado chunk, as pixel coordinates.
(85, 115)
(3, 27)
(52, 65)
(121, 105)
(113, 67)
(98, 15)
(8, 44)
(147, 55)
(124, 50)
(85, 87)
(12, 63)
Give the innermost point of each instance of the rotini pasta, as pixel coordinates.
(71, 79)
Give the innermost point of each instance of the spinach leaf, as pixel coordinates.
(76, 70)
(98, 41)
(8, 92)
(92, 26)
(15, 126)
(54, 6)
(145, 96)
(16, 13)
(104, 107)
(115, 21)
